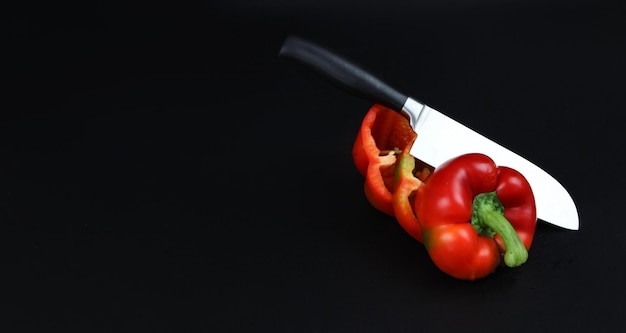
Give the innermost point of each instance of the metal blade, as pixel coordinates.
(441, 138)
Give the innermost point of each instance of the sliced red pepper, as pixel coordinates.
(381, 154)
(384, 134)
(403, 198)
(472, 212)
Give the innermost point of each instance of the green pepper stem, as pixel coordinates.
(488, 218)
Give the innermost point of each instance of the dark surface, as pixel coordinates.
(163, 170)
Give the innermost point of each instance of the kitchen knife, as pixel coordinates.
(440, 138)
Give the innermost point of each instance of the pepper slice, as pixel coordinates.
(392, 175)
(403, 198)
(472, 213)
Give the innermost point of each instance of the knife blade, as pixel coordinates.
(440, 137)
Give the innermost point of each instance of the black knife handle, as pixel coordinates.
(342, 72)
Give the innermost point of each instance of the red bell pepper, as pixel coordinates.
(392, 175)
(472, 212)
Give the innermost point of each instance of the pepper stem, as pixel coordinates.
(488, 219)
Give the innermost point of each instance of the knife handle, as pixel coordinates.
(342, 72)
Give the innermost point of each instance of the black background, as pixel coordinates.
(163, 170)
